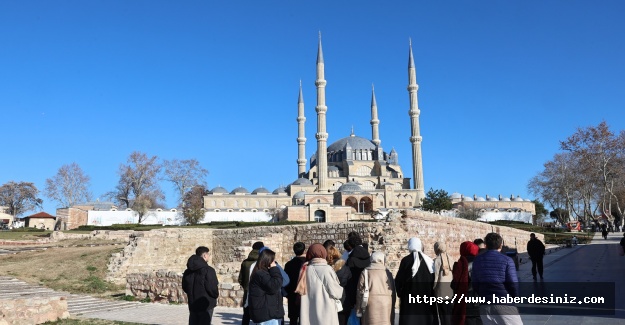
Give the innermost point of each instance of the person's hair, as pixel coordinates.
(354, 239)
(299, 248)
(478, 241)
(201, 250)
(333, 255)
(349, 247)
(258, 245)
(493, 240)
(532, 235)
(328, 243)
(265, 258)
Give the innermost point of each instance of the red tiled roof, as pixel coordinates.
(41, 215)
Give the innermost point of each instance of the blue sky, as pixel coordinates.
(500, 83)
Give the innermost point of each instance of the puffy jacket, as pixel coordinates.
(494, 274)
(265, 296)
(199, 282)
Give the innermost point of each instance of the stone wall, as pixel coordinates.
(32, 310)
(166, 286)
(169, 249)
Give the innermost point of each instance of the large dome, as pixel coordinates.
(350, 187)
(356, 143)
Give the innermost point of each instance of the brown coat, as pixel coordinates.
(381, 304)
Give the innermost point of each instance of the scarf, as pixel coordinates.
(301, 280)
(441, 249)
(415, 247)
(377, 261)
(460, 282)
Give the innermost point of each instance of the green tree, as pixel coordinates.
(436, 200)
(560, 215)
(541, 212)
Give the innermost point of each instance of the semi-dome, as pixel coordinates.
(299, 195)
(219, 189)
(356, 143)
(240, 189)
(350, 187)
(279, 190)
(302, 181)
(260, 190)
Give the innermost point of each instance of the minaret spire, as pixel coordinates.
(301, 135)
(322, 135)
(415, 135)
(375, 131)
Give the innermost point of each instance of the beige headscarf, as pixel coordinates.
(441, 249)
(416, 247)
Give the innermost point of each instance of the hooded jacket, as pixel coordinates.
(244, 273)
(358, 260)
(199, 282)
(265, 296)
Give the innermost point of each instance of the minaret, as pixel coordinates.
(415, 134)
(322, 135)
(301, 135)
(375, 131)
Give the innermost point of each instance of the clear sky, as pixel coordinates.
(500, 83)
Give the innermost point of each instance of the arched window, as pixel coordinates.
(352, 202)
(320, 216)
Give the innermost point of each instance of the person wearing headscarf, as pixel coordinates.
(463, 313)
(442, 283)
(322, 289)
(380, 306)
(339, 266)
(415, 277)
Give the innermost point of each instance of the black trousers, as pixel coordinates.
(245, 320)
(537, 263)
(201, 317)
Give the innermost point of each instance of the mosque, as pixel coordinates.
(351, 179)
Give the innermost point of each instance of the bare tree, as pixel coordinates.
(193, 202)
(19, 197)
(69, 186)
(138, 187)
(185, 175)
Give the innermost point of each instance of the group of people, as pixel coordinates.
(323, 286)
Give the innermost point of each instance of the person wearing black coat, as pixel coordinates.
(536, 251)
(265, 291)
(292, 269)
(357, 261)
(199, 282)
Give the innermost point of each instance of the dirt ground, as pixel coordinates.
(72, 269)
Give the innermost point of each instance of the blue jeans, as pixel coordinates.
(271, 322)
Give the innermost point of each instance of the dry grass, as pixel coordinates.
(80, 321)
(19, 235)
(71, 269)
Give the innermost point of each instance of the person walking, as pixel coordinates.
(494, 275)
(343, 273)
(199, 282)
(377, 281)
(415, 277)
(244, 277)
(442, 283)
(265, 291)
(464, 313)
(292, 269)
(322, 291)
(536, 251)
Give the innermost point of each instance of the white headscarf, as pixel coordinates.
(415, 247)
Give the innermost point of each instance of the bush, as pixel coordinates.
(27, 229)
